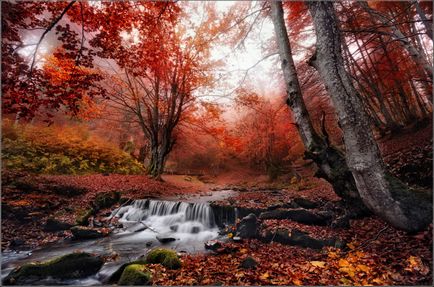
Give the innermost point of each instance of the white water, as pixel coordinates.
(186, 222)
(192, 225)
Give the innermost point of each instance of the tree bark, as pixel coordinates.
(383, 194)
(330, 161)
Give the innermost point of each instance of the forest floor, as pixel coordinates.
(374, 252)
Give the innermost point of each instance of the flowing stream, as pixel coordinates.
(187, 225)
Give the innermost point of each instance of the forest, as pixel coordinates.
(217, 143)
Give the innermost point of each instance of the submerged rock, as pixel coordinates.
(166, 257)
(135, 274)
(164, 238)
(70, 266)
(195, 229)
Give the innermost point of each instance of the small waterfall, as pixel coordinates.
(178, 216)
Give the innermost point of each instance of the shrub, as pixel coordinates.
(62, 150)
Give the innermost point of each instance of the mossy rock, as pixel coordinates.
(83, 217)
(106, 200)
(81, 232)
(166, 257)
(135, 274)
(70, 266)
(114, 278)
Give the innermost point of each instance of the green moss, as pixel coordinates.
(107, 199)
(83, 216)
(135, 274)
(117, 275)
(70, 266)
(166, 257)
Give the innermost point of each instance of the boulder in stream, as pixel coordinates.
(81, 232)
(166, 257)
(114, 278)
(70, 266)
(135, 274)
(165, 238)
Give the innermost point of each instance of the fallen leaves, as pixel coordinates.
(320, 264)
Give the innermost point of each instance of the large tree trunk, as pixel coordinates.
(330, 161)
(383, 194)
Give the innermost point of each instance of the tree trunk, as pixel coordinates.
(383, 194)
(330, 161)
(415, 54)
(427, 23)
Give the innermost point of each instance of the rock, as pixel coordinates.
(140, 229)
(292, 204)
(165, 238)
(114, 278)
(298, 215)
(212, 245)
(248, 227)
(135, 274)
(54, 225)
(341, 222)
(305, 203)
(83, 217)
(97, 223)
(248, 263)
(195, 229)
(71, 266)
(81, 232)
(106, 200)
(299, 238)
(174, 228)
(223, 214)
(166, 257)
(17, 242)
(148, 244)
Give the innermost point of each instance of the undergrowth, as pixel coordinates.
(62, 150)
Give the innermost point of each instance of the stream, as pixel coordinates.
(189, 223)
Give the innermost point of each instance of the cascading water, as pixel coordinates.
(166, 216)
(189, 224)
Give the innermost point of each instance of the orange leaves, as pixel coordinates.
(320, 264)
(415, 265)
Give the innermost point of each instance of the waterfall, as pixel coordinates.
(178, 216)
